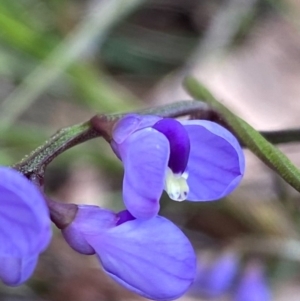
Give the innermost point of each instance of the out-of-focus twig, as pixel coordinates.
(267, 218)
(284, 248)
(223, 28)
(282, 136)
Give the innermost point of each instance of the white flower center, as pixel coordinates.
(176, 185)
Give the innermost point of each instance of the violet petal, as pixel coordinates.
(218, 277)
(145, 156)
(124, 216)
(216, 163)
(130, 124)
(14, 271)
(253, 286)
(150, 257)
(25, 227)
(24, 216)
(89, 220)
(179, 143)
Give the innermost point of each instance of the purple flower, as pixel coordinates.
(253, 285)
(24, 226)
(193, 160)
(152, 258)
(216, 278)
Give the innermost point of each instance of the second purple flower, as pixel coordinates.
(193, 160)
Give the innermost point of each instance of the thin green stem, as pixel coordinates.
(64, 139)
(102, 126)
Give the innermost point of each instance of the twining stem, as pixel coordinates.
(102, 125)
(65, 138)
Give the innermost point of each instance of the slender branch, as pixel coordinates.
(282, 136)
(178, 109)
(102, 126)
(64, 139)
(286, 248)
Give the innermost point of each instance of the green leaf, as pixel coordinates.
(263, 149)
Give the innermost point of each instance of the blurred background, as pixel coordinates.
(63, 61)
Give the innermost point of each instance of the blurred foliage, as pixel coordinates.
(46, 84)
